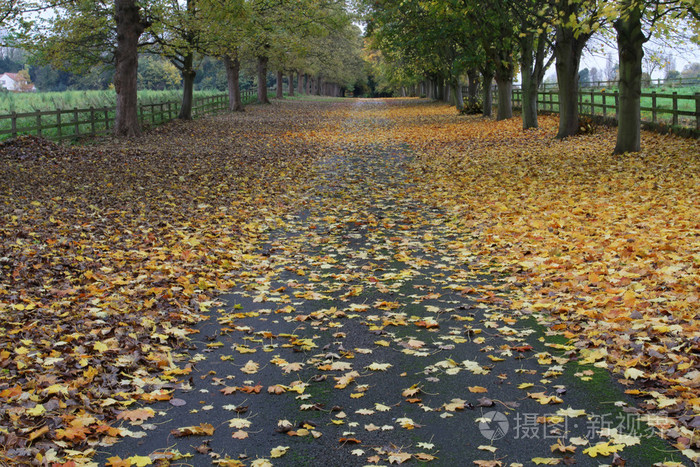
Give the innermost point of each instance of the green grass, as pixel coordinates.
(76, 121)
(664, 105)
(31, 102)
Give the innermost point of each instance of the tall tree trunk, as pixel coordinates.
(473, 87)
(488, 95)
(233, 67)
(188, 75)
(567, 80)
(280, 85)
(300, 82)
(262, 80)
(130, 26)
(567, 51)
(440, 92)
(307, 80)
(505, 97)
(319, 85)
(457, 92)
(630, 41)
(291, 83)
(529, 87)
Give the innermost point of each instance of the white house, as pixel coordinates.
(11, 82)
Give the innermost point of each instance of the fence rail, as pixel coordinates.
(668, 108)
(646, 83)
(66, 124)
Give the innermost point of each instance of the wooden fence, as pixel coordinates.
(646, 83)
(669, 108)
(73, 124)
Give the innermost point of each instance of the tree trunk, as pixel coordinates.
(457, 92)
(473, 87)
(567, 80)
(130, 26)
(280, 85)
(300, 82)
(630, 41)
(319, 85)
(307, 79)
(233, 67)
(188, 75)
(534, 51)
(567, 50)
(440, 92)
(505, 97)
(291, 83)
(488, 95)
(262, 80)
(529, 87)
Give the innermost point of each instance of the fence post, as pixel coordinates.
(92, 121)
(653, 106)
(75, 121)
(38, 123)
(592, 103)
(617, 104)
(14, 124)
(605, 108)
(697, 110)
(675, 108)
(58, 125)
(106, 119)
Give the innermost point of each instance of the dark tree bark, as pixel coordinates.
(457, 91)
(300, 82)
(307, 79)
(568, 47)
(533, 65)
(319, 85)
(188, 75)
(505, 96)
(473, 87)
(233, 67)
(630, 41)
(504, 68)
(291, 83)
(279, 94)
(130, 26)
(262, 80)
(487, 74)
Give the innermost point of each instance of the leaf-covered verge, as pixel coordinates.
(606, 247)
(110, 253)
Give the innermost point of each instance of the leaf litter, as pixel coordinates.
(121, 257)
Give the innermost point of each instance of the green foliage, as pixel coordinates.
(157, 73)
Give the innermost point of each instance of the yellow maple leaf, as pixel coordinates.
(603, 449)
(279, 451)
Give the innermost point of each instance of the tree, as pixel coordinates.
(83, 34)
(225, 20)
(177, 36)
(157, 73)
(576, 21)
(130, 24)
(632, 15)
(535, 40)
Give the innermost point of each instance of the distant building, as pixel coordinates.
(15, 82)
